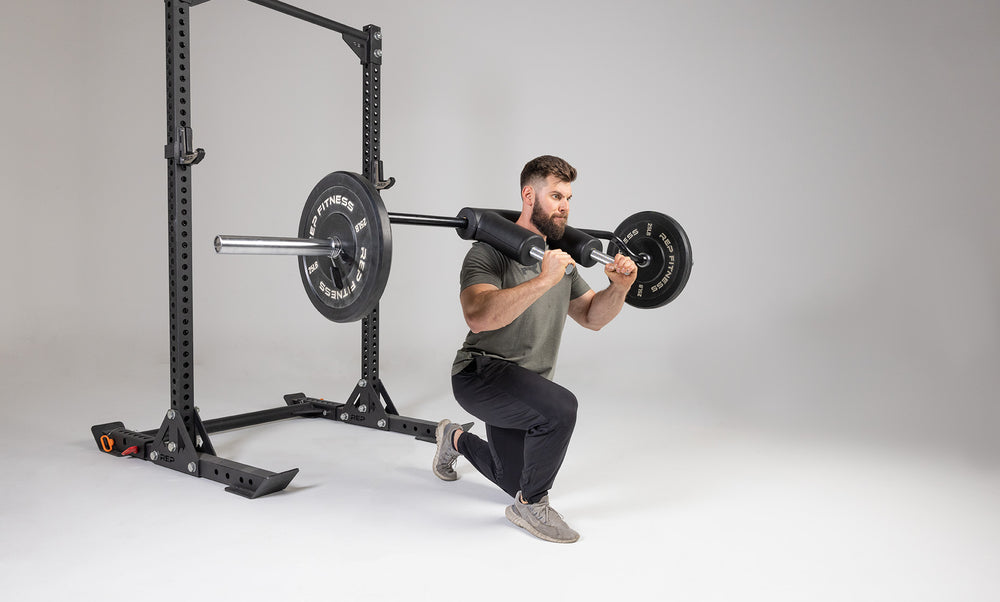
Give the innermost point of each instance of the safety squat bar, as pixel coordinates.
(331, 247)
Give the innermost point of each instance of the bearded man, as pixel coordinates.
(503, 372)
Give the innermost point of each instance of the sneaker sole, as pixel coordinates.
(515, 518)
(438, 436)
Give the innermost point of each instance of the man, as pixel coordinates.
(502, 374)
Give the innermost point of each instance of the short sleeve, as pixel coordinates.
(483, 265)
(578, 286)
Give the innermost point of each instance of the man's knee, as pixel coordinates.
(565, 408)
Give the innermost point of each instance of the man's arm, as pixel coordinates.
(594, 310)
(487, 307)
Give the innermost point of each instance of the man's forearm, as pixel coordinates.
(496, 308)
(488, 308)
(605, 306)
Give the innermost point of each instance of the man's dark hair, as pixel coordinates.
(545, 166)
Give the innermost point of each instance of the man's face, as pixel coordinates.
(551, 209)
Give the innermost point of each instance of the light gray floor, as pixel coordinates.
(672, 503)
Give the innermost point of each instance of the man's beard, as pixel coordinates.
(545, 224)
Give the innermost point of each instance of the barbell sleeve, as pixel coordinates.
(276, 245)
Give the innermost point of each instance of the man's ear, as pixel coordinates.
(528, 195)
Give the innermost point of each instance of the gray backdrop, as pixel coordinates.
(834, 164)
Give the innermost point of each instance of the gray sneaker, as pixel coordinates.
(541, 520)
(446, 454)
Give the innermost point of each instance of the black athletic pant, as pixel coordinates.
(529, 421)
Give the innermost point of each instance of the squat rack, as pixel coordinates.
(182, 441)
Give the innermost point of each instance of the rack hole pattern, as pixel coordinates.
(178, 211)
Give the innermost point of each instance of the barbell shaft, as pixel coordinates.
(279, 245)
(413, 219)
(276, 245)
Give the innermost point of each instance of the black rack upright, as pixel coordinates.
(182, 441)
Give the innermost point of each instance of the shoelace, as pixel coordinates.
(543, 511)
(450, 457)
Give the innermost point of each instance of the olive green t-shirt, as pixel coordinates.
(532, 339)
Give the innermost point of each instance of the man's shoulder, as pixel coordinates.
(485, 252)
(483, 264)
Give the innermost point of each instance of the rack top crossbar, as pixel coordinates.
(313, 18)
